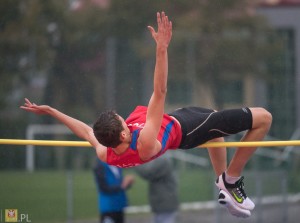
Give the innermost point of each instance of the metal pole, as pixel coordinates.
(258, 185)
(70, 196)
(191, 66)
(284, 197)
(30, 151)
(218, 213)
(110, 73)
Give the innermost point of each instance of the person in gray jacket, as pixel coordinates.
(163, 191)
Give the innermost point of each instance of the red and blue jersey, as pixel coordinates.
(169, 136)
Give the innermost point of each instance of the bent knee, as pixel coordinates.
(266, 116)
(261, 117)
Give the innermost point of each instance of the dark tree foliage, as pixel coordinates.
(57, 55)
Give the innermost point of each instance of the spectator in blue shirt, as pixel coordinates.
(111, 186)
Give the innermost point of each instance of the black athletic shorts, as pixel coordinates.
(200, 125)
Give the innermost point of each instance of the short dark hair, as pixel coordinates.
(107, 129)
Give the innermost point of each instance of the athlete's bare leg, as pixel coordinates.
(262, 120)
(218, 157)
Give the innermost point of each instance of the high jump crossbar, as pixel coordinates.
(205, 145)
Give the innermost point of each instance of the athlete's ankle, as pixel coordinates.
(231, 179)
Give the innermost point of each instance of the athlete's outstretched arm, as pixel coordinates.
(148, 145)
(79, 128)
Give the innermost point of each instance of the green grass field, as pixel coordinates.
(43, 194)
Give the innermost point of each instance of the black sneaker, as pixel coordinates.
(236, 192)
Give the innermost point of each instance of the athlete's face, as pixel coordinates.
(125, 134)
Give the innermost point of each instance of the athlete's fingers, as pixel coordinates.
(152, 31)
(26, 108)
(158, 18)
(27, 101)
(166, 21)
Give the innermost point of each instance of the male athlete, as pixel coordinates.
(148, 132)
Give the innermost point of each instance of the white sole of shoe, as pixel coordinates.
(226, 202)
(221, 186)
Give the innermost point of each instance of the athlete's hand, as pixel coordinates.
(164, 33)
(37, 109)
(127, 182)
